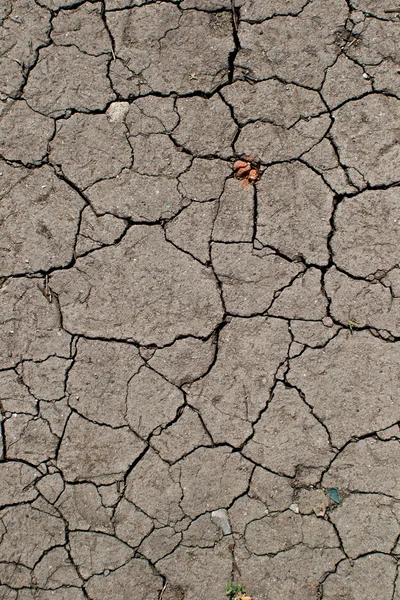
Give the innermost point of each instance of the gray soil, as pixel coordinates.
(199, 379)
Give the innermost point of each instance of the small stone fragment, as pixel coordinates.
(117, 112)
(334, 495)
(327, 321)
(220, 517)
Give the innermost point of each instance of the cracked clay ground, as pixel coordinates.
(199, 379)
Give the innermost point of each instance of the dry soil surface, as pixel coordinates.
(199, 379)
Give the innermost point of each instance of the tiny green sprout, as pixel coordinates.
(234, 588)
(351, 323)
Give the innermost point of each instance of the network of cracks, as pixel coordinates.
(199, 379)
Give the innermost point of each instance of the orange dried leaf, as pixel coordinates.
(239, 164)
(244, 172)
(253, 175)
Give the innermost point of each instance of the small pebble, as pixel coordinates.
(327, 321)
(220, 518)
(319, 511)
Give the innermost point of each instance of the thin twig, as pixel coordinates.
(162, 591)
(234, 16)
(47, 291)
